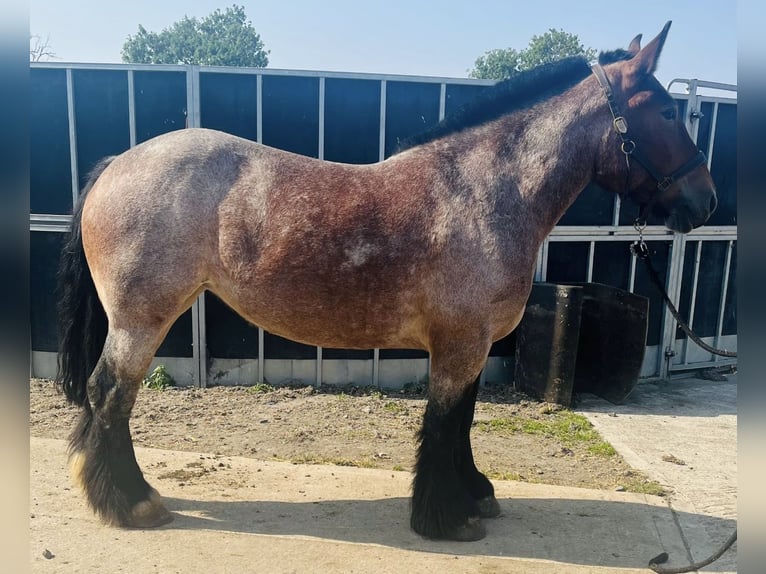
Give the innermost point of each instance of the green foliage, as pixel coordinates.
(395, 407)
(496, 64)
(159, 380)
(602, 448)
(553, 45)
(221, 39)
(260, 388)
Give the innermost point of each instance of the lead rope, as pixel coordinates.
(641, 251)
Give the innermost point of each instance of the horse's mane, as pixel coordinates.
(522, 90)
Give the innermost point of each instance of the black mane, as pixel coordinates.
(520, 91)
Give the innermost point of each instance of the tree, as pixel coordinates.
(221, 39)
(549, 47)
(40, 49)
(496, 64)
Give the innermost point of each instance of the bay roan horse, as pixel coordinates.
(433, 248)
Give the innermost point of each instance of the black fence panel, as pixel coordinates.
(723, 168)
(229, 336)
(567, 261)
(459, 95)
(709, 288)
(50, 188)
(352, 120)
(161, 104)
(276, 347)
(659, 252)
(44, 254)
(101, 116)
(411, 108)
(291, 114)
(329, 353)
(403, 354)
(611, 264)
(229, 102)
(594, 206)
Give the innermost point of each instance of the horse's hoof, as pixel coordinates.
(470, 531)
(149, 513)
(489, 507)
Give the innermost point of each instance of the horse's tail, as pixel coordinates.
(81, 317)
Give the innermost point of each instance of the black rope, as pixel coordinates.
(641, 251)
(655, 562)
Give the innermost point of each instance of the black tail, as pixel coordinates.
(82, 321)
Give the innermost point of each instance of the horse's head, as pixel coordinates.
(647, 151)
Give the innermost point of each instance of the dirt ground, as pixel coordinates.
(514, 437)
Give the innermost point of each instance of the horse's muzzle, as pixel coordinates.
(692, 210)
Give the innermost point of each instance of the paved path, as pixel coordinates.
(683, 434)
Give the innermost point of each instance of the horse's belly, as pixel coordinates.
(309, 316)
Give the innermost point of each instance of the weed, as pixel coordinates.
(602, 448)
(159, 379)
(510, 475)
(395, 407)
(260, 388)
(644, 486)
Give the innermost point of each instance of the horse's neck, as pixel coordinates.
(546, 156)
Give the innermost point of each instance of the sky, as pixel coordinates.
(408, 37)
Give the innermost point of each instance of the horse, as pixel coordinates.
(433, 248)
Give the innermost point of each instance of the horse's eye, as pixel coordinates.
(669, 114)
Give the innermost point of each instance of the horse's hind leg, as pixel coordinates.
(443, 504)
(478, 485)
(102, 458)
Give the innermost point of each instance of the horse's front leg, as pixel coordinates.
(478, 484)
(443, 504)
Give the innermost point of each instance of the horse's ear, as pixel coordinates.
(635, 45)
(645, 61)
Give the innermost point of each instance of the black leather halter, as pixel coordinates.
(628, 147)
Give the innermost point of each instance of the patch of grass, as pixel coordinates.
(311, 459)
(260, 388)
(508, 475)
(602, 448)
(565, 426)
(644, 486)
(399, 468)
(159, 379)
(395, 407)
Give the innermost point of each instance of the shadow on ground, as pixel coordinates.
(582, 532)
(688, 398)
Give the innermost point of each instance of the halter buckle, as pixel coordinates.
(628, 147)
(620, 125)
(665, 183)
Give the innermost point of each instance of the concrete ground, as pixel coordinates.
(683, 434)
(279, 517)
